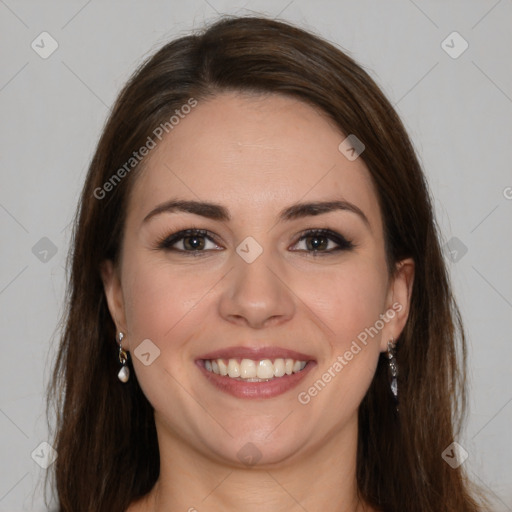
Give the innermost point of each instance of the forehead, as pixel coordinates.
(253, 153)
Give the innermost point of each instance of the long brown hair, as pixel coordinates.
(105, 432)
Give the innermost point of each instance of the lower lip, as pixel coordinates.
(265, 389)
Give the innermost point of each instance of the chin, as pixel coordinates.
(255, 451)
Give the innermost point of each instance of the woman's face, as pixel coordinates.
(284, 261)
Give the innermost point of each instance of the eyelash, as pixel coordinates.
(343, 244)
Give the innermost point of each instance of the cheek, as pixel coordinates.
(158, 299)
(348, 303)
(162, 306)
(347, 298)
(152, 303)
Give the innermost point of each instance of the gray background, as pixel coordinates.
(457, 110)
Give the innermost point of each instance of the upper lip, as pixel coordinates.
(256, 353)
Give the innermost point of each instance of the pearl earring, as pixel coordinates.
(124, 372)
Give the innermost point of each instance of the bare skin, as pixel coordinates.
(255, 156)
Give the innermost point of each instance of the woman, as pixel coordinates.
(259, 312)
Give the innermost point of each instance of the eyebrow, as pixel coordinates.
(218, 212)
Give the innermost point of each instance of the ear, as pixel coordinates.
(398, 301)
(114, 294)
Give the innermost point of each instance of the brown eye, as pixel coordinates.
(189, 240)
(322, 241)
(194, 243)
(316, 242)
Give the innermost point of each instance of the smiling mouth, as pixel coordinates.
(255, 372)
(250, 370)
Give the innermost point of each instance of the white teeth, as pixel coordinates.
(279, 370)
(247, 369)
(223, 368)
(265, 369)
(254, 371)
(233, 368)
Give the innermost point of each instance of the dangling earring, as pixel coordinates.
(124, 372)
(393, 369)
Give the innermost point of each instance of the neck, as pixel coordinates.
(321, 478)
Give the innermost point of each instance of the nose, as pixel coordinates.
(256, 295)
